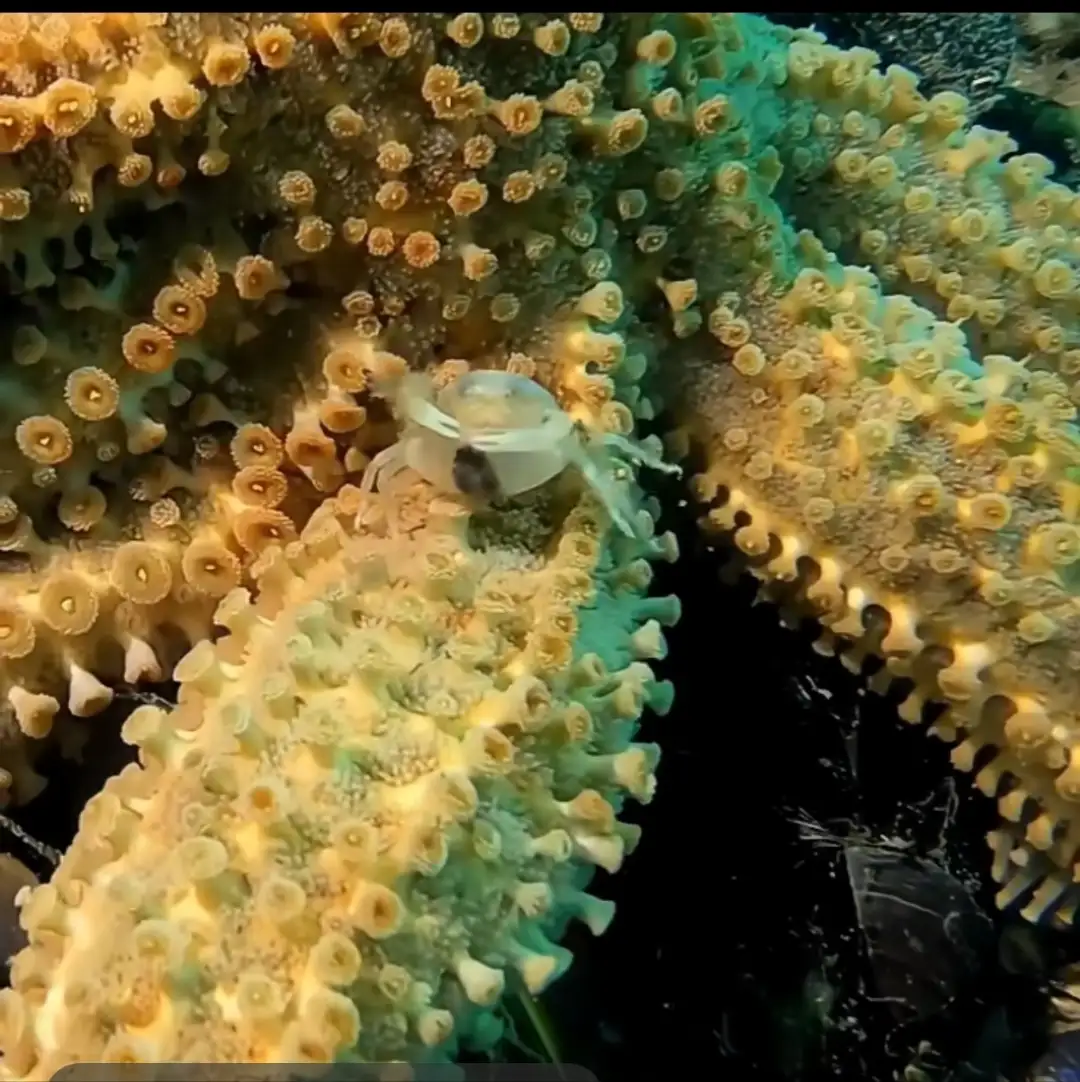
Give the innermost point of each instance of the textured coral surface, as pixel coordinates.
(898, 449)
(220, 233)
(380, 793)
(393, 767)
(226, 239)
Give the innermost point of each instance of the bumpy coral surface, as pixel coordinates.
(220, 234)
(226, 239)
(382, 791)
(899, 449)
(377, 802)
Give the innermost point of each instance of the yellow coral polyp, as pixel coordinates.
(657, 47)
(392, 195)
(308, 446)
(296, 188)
(164, 513)
(851, 165)
(274, 46)
(256, 445)
(182, 103)
(573, 99)
(82, 509)
(923, 494)
(135, 169)
(989, 511)
(749, 360)
(141, 574)
(875, 436)
(68, 604)
(257, 528)
(147, 348)
(1054, 279)
(421, 249)
(395, 38)
(92, 394)
(210, 568)
(259, 999)
(68, 106)
(1035, 628)
(256, 277)
(14, 204)
(467, 197)
(1022, 255)
(807, 410)
(213, 162)
(519, 187)
(45, 440)
(14, 26)
(179, 310)
(466, 29)
(552, 38)
(132, 118)
(344, 123)
(196, 270)
(623, 133)
(225, 64)
(1057, 544)
(260, 486)
(344, 368)
(313, 234)
(17, 634)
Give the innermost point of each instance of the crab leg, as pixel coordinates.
(603, 485)
(429, 416)
(388, 463)
(639, 454)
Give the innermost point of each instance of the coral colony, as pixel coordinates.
(404, 730)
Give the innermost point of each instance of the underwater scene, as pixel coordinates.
(540, 546)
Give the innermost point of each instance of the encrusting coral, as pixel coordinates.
(227, 238)
(381, 793)
(192, 353)
(904, 461)
(377, 800)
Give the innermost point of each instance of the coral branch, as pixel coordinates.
(377, 803)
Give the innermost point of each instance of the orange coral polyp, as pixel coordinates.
(210, 568)
(256, 445)
(147, 348)
(92, 394)
(141, 574)
(68, 604)
(69, 106)
(44, 440)
(179, 310)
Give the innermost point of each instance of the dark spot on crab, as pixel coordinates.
(475, 476)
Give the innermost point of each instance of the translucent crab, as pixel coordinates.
(494, 435)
